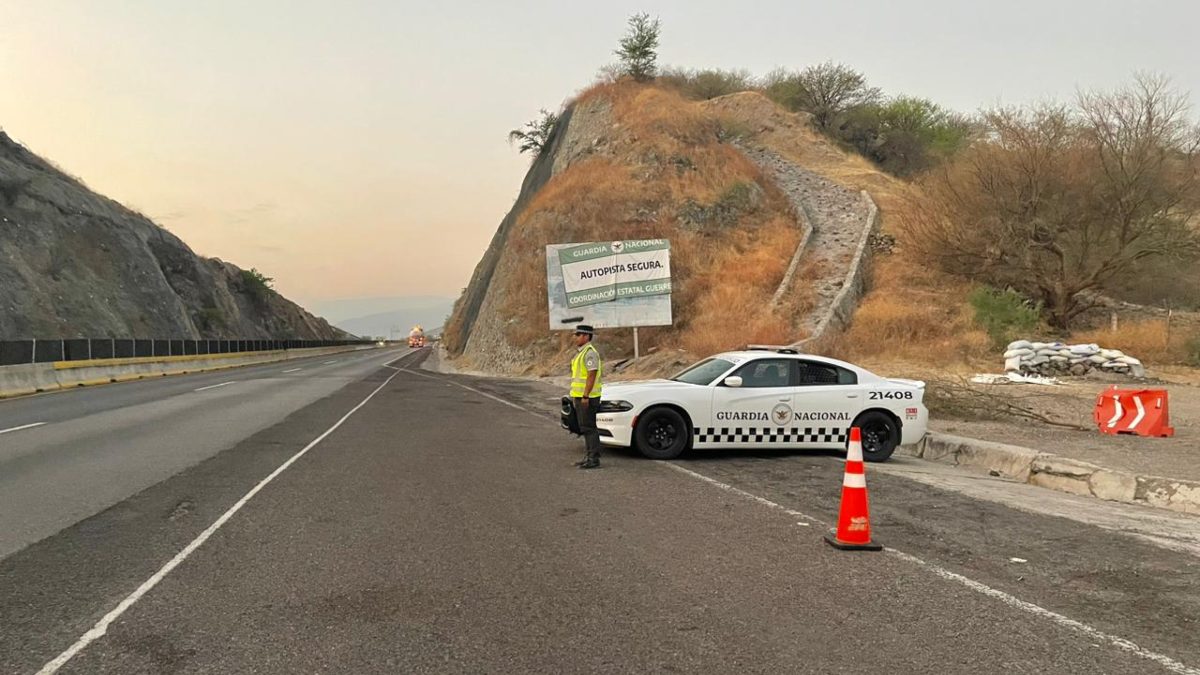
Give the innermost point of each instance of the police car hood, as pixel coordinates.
(626, 390)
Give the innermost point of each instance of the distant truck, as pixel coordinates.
(416, 337)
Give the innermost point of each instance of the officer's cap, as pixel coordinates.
(584, 329)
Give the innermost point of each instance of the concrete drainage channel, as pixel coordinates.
(36, 378)
(1046, 470)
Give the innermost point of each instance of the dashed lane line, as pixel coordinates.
(22, 427)
(292, 370)
(214, 386)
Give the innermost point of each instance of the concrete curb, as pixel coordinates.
(786, 283)
(38, 378)
(1046, 470)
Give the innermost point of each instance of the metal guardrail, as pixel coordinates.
(19, 352)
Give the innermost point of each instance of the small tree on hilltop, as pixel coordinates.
(536, 133)
(826, 91)
(1056, 202)
(639, 48)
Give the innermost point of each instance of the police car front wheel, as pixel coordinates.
(662, 433)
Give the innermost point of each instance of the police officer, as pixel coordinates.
(586, 377)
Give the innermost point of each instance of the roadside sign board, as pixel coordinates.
(616, 284)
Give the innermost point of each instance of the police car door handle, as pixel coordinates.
(851, 395)
(784, 400)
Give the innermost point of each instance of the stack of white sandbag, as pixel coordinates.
(1055, 358)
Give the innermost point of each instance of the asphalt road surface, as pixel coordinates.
(413, 522)
(67, 455)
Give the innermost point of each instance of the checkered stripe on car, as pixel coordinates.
(769, 435)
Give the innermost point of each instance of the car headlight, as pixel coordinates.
(614, 406)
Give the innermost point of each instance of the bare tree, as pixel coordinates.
(639, 48)
(1056, 201)
(826, 91)
(536, 133)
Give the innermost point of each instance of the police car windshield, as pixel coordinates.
(705, 372)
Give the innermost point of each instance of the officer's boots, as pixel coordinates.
(592, 461)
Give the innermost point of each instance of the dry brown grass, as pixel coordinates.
(664, 154)
(914, 314)
(1148, 340)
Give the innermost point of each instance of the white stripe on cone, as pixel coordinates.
(854, 452)
(854, 480)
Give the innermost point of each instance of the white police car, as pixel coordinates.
(763, 397)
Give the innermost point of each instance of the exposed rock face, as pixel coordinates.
(76, 264)
(628, 161)
(466, 309)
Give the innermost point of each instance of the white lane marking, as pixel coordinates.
(23, 426)
(1012, 601)
(328, 362)
(742, 493)
(101, 626)
(481, 393)
(407, 353)
(292, 370)
(214, 386)
(1017, 603)
(392, 367)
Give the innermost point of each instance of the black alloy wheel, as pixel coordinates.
(662, 433)
(880, 435)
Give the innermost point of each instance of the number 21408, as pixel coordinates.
(875, 395)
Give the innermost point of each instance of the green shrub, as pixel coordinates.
(1005, 315)
(535, 136)
(702, 85)
(1193, 351)
(211, 319)
(257, 284)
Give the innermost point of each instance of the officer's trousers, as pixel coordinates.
(586, 415)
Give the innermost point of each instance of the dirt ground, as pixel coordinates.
(1073, 403)
(1070, 403)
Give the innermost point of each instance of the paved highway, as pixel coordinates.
(414, 522)
(67, 455)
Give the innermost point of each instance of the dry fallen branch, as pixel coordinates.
(962, 399)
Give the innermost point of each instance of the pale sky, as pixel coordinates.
(358, 148)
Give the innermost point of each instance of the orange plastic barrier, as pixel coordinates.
(1133, 411)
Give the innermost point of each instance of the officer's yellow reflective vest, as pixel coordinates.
(579, 373)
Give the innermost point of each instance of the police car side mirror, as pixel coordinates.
(733, 381)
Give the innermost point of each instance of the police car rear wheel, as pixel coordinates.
(880, 435)
(662, 433)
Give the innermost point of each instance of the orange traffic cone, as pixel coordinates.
(854, 523)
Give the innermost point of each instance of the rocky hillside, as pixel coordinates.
(761, 242)
(76, 264)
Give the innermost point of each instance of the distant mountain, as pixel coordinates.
(343, 309)
(429, 313)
